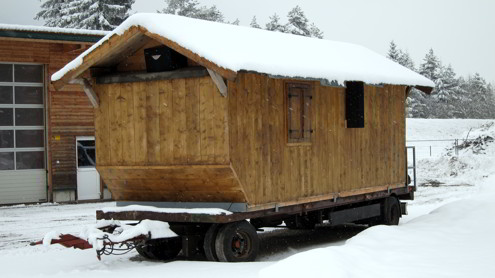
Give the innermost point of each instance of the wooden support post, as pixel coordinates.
(218, 80)
(88, 89)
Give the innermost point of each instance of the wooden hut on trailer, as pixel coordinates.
(202, 114)
(268, 126)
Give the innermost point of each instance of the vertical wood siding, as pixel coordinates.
(338, 159)
(161, 123)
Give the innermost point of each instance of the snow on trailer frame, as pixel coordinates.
(214, 117)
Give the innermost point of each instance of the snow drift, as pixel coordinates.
(455, 240)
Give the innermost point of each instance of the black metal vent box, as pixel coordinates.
(163, 58)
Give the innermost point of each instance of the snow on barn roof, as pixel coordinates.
(229, 49)
(44, 29)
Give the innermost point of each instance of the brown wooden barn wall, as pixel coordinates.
(338, 159)
(147, 132)
(70, 114)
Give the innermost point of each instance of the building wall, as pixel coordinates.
(337, 162)
(166, 122)
(165, 140)
(69, 112)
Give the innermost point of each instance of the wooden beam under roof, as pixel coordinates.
(218, 80)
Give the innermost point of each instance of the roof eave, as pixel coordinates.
(116, 41)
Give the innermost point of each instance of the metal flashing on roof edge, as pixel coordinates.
(49, 36)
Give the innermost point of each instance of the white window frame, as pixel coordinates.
(85, 168)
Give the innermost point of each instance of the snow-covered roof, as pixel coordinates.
(231, 48)
(43, 29)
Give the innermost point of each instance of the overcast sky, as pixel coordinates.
(461, 32)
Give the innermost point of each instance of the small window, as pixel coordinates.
(28, 95)
(6, 95)
(6, 117)
(6, 139)
(29, 116)
(29, 139)
(28, 73)
(86, 157)
(354, 104)
(6, 73)
(299, 98)
(30, 160)
(7, 161)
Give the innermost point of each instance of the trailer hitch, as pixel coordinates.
(107, 247)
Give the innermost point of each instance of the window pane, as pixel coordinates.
(30, 160)
(6, 138)
(6, 95)
(6, 161)
(29, 95)
(5, 73)
(28, 73)
(6, 118)
(29, 139)
(29, 116)
(86, 153)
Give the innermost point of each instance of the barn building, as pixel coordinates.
(41, 128)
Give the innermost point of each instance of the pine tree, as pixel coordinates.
(51, 12)
(275, 25)
(417, 104)
(430, 68)
(447, 85)
(85, 14)
(405, 60)
(235, 22)
(298, 24)
(315, 32)
(254, 23)
(192, 8)
(393, 53)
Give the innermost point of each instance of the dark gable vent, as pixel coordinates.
(163, 58)
(354, 104)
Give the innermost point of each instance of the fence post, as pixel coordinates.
(430, 150)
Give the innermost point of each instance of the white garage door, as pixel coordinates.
(22, 134)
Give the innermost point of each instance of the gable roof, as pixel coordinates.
(228, 49)
(50, 33)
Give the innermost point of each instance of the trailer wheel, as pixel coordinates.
(160, 249)
(209, 243)
(237, 242)
(391, 211)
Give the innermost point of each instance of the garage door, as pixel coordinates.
(22, 134)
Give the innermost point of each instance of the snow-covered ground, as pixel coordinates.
(448, 232)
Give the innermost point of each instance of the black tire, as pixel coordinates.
(237, 242)
(209, 243)
(162, 249)
(391, 211)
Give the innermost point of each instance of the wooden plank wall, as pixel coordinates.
(70, 112)
(168, 122)
(338, 159)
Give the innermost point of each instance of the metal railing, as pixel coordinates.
(430, 148)
(412, 167)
